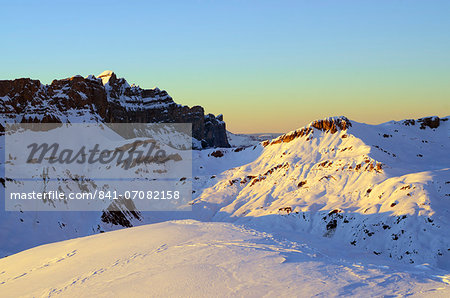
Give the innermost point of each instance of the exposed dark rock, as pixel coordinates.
(334, 211)
(331, 225)
(217, 153)
(431, 122)
(286, 138)
(332, 125)
(285, 209)
(301, 183)
(121, 212)
(409, 122)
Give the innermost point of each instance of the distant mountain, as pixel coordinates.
(245, 140)
(104, 99)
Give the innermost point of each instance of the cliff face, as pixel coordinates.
(104, 99)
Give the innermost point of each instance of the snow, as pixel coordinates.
(190, 258)
(364, 209)
(240, 140)
(135, 101)
(105, 76)
(245, 140)
(60, 94)
(92, 78)
(386, 194)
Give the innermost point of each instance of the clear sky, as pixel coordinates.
(268, 66)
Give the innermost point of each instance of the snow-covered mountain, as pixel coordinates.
(384, 188)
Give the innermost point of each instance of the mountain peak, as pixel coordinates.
(106, 76)
(331, 124)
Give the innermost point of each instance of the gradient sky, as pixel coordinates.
(268, 66)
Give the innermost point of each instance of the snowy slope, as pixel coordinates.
(190, 258)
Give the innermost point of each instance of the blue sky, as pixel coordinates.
(268, 66)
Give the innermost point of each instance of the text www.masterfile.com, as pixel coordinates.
(101, 195)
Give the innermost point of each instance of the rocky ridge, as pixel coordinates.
(104, 99)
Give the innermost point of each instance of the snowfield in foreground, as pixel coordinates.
(191, 258)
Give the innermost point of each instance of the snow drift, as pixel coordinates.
(190, 258)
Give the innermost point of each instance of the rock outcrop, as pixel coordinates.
(431, 122)
(329, 125)
(332, 125)
(104, 99)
